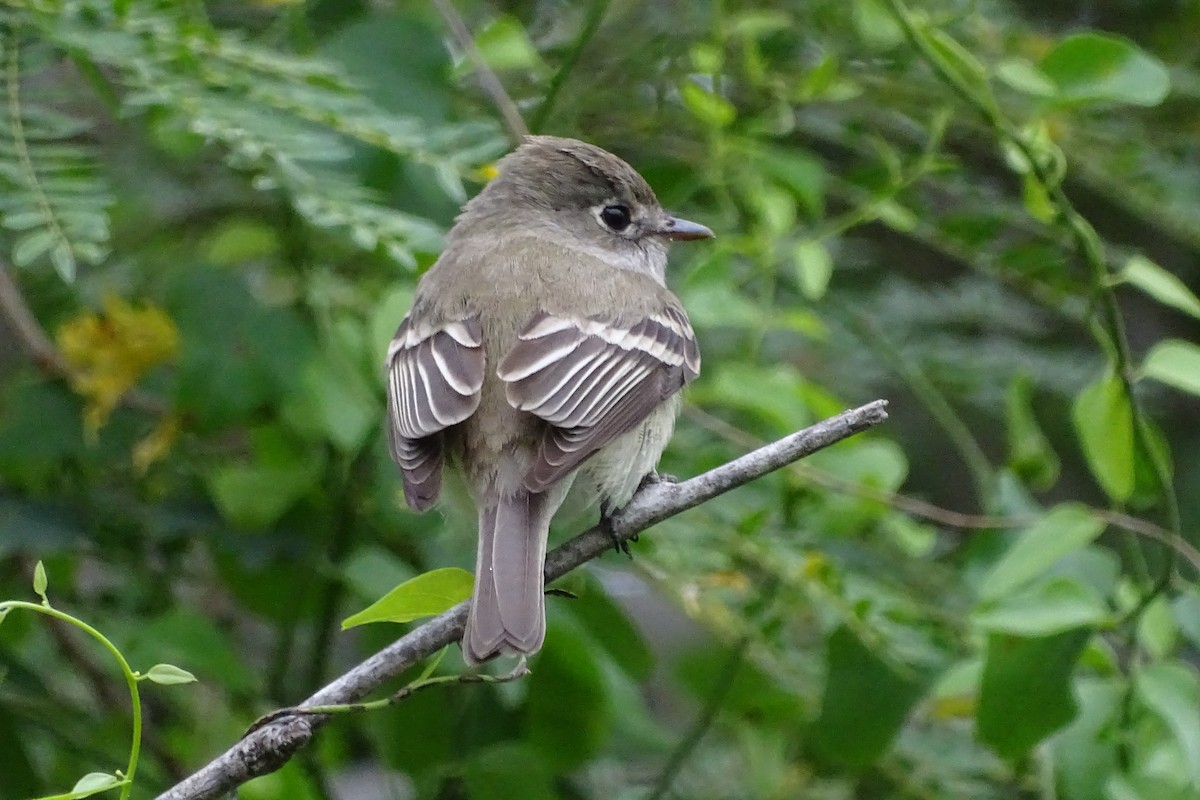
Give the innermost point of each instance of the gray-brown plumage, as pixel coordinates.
(541, 347)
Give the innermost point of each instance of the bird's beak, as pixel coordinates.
(677, 229)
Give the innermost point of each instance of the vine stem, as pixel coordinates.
(1111, 336)
(131, 679)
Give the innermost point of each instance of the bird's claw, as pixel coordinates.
(606, 522)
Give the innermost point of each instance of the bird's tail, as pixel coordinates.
(508, 608)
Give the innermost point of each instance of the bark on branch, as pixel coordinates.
(268, 748)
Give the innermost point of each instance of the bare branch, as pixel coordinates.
(29, 333)
(268, 748)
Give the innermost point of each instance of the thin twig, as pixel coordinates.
(934, 513)
(30, 336)
(271, 746)
(405, 692)
(487, 78)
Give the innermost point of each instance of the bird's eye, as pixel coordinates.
(616, 217)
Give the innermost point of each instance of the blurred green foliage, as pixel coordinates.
(986, 212)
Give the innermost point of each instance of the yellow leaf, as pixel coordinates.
(108, 353)
(156, 444)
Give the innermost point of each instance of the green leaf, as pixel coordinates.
(1156, 629)
(90, 784)
(1093, 67)
(1029, 452)
(168, 675)
(257, 495)
(1053, 606)
(1163, 286)
(423, 596)
(711, 109)
(1186, 608)
(1104, 423)
(40, 580)
(1175, 363)
(865, 702)
(813, 268)
(1171, 690)
(1085, 752)
(509, 770)
(504, 45)
(878, 29)
(1064, 529)
(335, 401)
(1025, 692)
(1025, 77)
(568, 713)
(608, 624)
(773, 394)
(32, 246)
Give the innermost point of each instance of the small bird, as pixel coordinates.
(542, 348)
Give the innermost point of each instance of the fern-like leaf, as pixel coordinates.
(53, 199)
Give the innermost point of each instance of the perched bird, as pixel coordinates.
(541, 349)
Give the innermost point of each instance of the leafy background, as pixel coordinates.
(986, 212)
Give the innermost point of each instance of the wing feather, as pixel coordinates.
(594, 379)
(435, 374)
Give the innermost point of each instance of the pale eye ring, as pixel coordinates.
(616, 216)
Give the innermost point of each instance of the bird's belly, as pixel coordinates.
(616, 471)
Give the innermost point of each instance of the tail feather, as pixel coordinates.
(508, 608)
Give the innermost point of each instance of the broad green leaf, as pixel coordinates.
(1104, 424)
(1025, 693)
(1172, 691)
(168, 675)
(1025, 77)
(865, 702)
(1093, 67)
(878, 29)
(1156, 630)
(1085, 752)
(709, 108)
(1175, 363)
(423, 596)
(814, 266)
(711, 305)
(568, 713)
(611, 628)
(1064, 529)
(504, 44)
(509, 770)
(1163, 286)
(1029, 452)
(773, 394)
(257, 495)
(1186, 608)
(335, 400)
(1053, 606)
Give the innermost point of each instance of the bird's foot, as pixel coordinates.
(606, 522)
(654, 477)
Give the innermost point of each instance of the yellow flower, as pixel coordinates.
(108, 353)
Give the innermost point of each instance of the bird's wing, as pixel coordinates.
(435, 373)
(594, 379)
